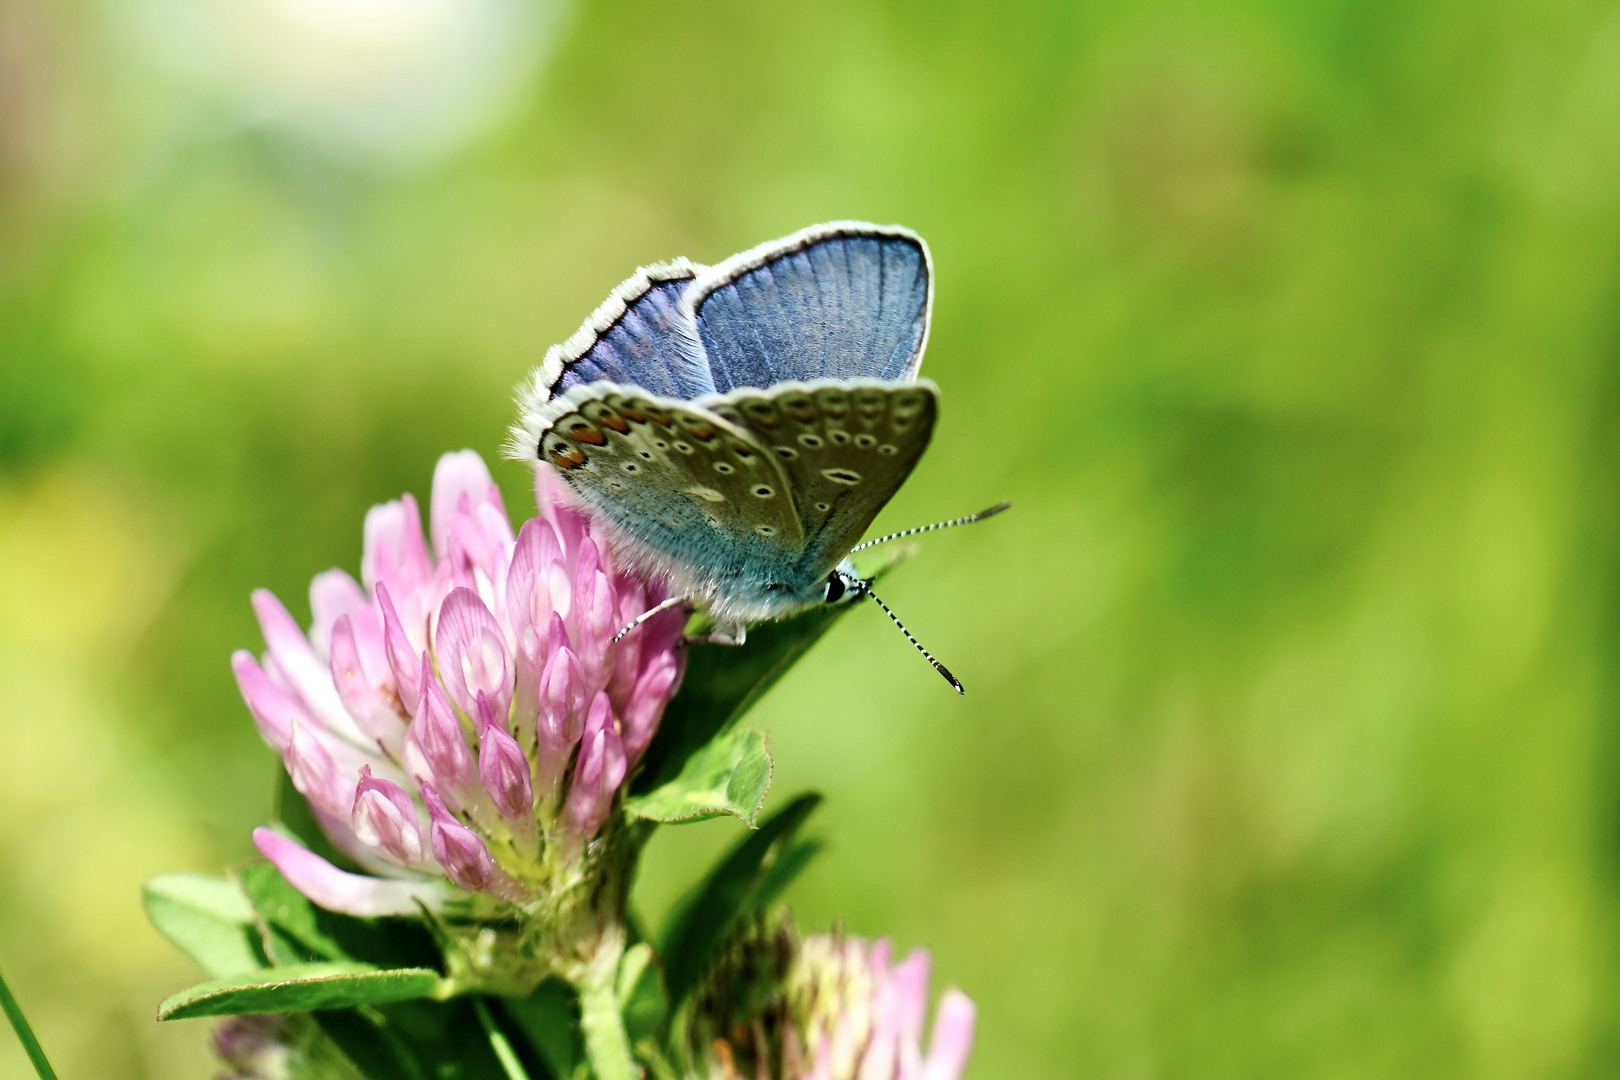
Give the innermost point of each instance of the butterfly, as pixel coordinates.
(737, 427)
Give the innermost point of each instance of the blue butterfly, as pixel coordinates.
(738, 426)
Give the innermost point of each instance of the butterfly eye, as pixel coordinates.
(835, 589)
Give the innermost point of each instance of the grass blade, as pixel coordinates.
(25, 1034)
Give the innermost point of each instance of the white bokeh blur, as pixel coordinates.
(391, 81)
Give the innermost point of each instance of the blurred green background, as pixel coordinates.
(1292, 330)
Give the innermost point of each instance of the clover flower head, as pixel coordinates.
(861, 1016)
(461, 718)
(830, 1007)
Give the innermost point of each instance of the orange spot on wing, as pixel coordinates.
(587, 434)
(614, 421)
(571, 460)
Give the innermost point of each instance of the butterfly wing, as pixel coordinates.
(636, 337)
(699, 498)
(845, 300)
(845, 446)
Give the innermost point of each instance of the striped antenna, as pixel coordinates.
(951, 524)
(866, 587)
(645, 615)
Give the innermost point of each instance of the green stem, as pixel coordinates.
(25, 1034)
(499, 1042)
(606, 1043)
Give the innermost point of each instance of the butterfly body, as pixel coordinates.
(737, 428)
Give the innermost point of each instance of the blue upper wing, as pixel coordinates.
(637, 337)
(845, 300)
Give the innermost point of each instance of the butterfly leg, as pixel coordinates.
(722, 635)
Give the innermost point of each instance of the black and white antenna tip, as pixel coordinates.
(866, 587)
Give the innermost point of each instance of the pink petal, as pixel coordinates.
(560, 506)
(504, 769)
(651, 693)
(910, 982)
(473, 655)
(528, 603)
(437, 735)
(953, 1037)
(308, 674)
(369, 704)
(394, 551)
(403, 657)
(385, 820)
(462, 853)
(314, 773)
(337, 890)
(274, 710)
(461, 482)
(596, 614)
(332, 595)
(599, 771)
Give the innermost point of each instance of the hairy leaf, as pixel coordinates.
(730, 775)
(300, 988)
(208, 918)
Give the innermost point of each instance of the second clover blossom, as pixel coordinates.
(460, 720)
(829, 1007)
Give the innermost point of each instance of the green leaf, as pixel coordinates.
(779, 872)
(300, 988)
(641, 993)
(730, 892)
(416, 1040)
(730, 775)
(297, 931)
(208, 918)
(549, 1020)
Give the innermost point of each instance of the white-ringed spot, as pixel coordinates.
(838, 435)
(812, 441)
(823, 507)
(848, 477)
(786, 452)
(866, 442)
(724, 468)
(763, 491)
(683, 447)
(888, 450)
(765, 530)
(631, 467)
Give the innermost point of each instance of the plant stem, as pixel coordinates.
(606, 1043)
(499, 1042)
(25, 1034)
